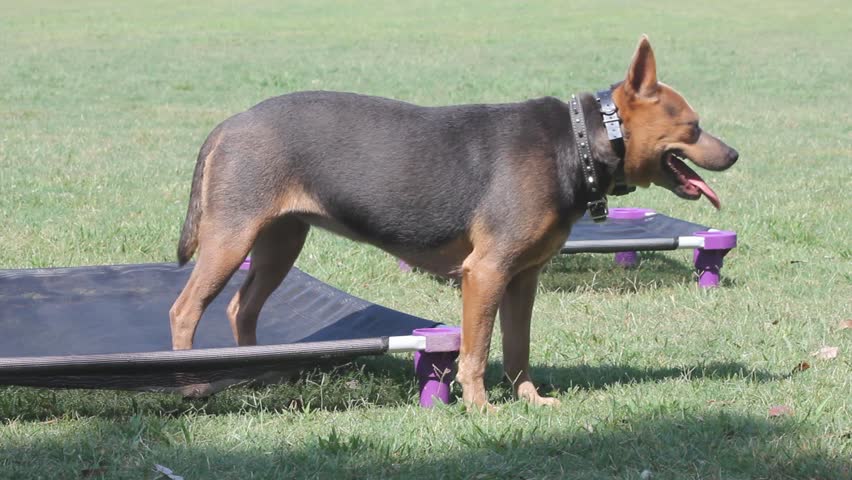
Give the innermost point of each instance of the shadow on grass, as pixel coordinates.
(598, 272)
(594, 377)
(699, 444)
(369, 382)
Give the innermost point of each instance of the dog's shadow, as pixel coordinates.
(552, 380)
(390, 379)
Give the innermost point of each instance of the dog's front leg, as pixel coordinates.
(515, 315)
(483, 284)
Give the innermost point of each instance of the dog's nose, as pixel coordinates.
(733, 155)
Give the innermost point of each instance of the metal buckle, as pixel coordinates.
(613, 129)
(609, 111)
(598, 210)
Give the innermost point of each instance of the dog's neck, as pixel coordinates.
(606, 160)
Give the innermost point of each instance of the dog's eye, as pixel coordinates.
(695, 133)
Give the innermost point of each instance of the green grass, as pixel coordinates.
(104, 105)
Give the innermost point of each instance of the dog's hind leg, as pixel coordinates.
(273, 255)
(515, 314)
(219, 256)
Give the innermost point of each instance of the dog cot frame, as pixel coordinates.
(435, 350)
(710, 246)
(435, 347)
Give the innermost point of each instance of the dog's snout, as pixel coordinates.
(733, 156)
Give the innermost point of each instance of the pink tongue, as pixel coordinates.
(693, 179)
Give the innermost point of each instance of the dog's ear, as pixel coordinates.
(642, 74)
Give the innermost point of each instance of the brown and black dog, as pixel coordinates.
(484, 192)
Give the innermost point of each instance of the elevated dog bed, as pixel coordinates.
(628, 231)
(108, 327)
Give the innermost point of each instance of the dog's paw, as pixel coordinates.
(197, 390)
(526, 391)
(485, 408)
(544, 401)
(478, 403)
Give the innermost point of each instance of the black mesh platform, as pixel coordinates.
(654, 232)
(121, 314)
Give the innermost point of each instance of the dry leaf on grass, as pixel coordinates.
(780, 410)
(166, 472)
(801, 367)
(825, 353)
(846, 324)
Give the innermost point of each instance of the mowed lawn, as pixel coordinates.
(103, 106)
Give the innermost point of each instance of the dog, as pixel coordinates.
(487, 193)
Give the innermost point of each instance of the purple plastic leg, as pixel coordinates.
(708, 260)
(246, 264)
(708, 264)
(404, 266)
(436, 365)
(628, 259)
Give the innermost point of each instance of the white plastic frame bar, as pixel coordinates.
(409, 343)
(692, 242)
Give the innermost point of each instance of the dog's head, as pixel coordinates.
(661, 130)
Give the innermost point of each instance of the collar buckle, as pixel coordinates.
(613, 127)
(609, 112)
(598, 210)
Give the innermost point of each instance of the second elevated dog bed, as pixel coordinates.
(628, 231)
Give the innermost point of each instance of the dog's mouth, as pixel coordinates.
(687, 183)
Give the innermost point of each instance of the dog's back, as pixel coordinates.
(378, 170)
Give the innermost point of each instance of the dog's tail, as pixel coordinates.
(188, 242)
